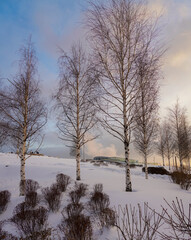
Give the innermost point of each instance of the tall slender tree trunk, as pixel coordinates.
(127, 168)
(78, 162)
(126, 147)
(145, 149)
(163, 161)
(181, 165)
(169, 162)
(173, 163)
(22, 169)
(146, 167)
(78, 135)
(176, 163)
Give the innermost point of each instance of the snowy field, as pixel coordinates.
(44, 170)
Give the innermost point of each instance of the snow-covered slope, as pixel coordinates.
(44, 170)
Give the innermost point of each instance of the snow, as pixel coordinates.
(44, 170)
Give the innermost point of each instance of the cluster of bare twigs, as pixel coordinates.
(138, 223)
(173, 223)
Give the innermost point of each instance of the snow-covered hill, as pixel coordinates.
(44, 170)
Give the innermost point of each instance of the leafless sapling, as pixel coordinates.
(181, 132)
(160, 144)
(146, 104)
(22, 107)
(169, 141)
(75, 100)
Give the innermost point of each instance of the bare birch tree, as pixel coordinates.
(118, 31)
(24, 111)
(182, 134)
(169, 141)
(185, 133)
(75, 100)
(3, 134)
(160, 144)
(3, 129)
(175, 118)
(146, 105)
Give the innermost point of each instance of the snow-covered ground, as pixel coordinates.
(44, 170)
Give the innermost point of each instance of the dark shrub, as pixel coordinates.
(132, 165)
(98, 187)
(78, 192)
(6, 236)
(76, 227)
(30, 222)
(4, 200)
(74, 209)
(181, 178)
(42, 235)
(31, 199)
(63, 181)
(98, 200)
(156, 170)
(52, 197)
(21, 208)
(107, 218)
(31, 185)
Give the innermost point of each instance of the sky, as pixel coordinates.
(56, 24)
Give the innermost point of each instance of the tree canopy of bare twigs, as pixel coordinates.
(23, 110)
(75, 100)
(146, 105)
(181, 133)
(120, 31)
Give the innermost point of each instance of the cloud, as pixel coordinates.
(158, 7)
(95, 148)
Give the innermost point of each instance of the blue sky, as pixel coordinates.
(57, 23)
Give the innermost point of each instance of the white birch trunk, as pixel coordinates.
(78, 163)
(169, 162)
(78, 136)
(163, 161)
(127, 168)
(22, 169)
(181, 165)
(146, 167)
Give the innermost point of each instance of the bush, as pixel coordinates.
(74, 209)
(4, 200)
(181, 178)
(6, 236)
(99, 200)
(78, 192)
(156, 170)
(76, 227)
(31, 199)
(30, 222)
(132, 165)
(43, 235)
(52, 197)
(98, 187)
(21, 208)
(31, 185)
(107, 218)
(63, 181)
